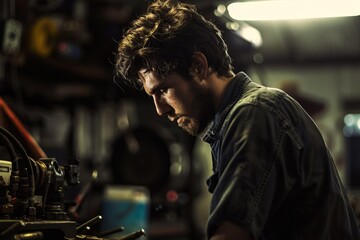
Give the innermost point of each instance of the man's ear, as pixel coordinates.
(199, 66)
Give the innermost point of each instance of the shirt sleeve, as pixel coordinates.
(246, 184)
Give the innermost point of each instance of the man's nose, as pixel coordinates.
(161, 105)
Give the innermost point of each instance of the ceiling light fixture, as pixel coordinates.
(292, 9)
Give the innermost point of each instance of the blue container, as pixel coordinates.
(126, 206)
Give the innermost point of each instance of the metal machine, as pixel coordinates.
(32, 204)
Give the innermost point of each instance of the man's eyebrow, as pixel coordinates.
(155, 88)
(163, 83)
(152, 89)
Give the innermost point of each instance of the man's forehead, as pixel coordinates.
(146, 75)
(149, 79)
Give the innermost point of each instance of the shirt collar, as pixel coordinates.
(232, 94)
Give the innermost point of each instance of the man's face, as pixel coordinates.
(188, 102)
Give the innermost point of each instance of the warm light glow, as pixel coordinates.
(220, 10)
(247, 32)
(293, 9)
(251, 34)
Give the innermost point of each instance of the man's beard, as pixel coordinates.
(205, 107)
(191, 127)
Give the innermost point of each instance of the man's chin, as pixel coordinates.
(190, 130)
(197, 130)
(194, 130)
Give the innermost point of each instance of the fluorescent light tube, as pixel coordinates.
(292, 9)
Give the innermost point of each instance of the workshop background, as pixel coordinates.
(57, 71)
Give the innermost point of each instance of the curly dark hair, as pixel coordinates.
(164, 40)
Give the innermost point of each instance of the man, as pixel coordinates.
(273, 175)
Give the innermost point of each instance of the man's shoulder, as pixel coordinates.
(260, 96)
